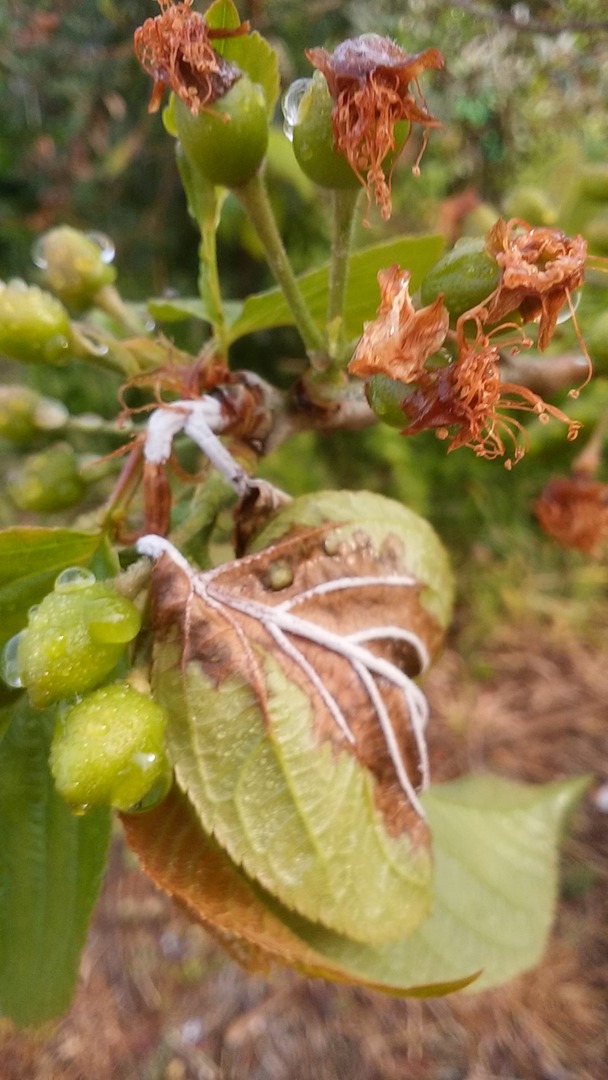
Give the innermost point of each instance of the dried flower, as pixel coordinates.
(574, 511)
(465, 402)
(175, 49)
(400, 339)
(540, 270)
(369, 79)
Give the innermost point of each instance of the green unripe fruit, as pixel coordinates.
(385, 396)
(227, 142)
(17, 413)
(75, 265)
(465, 277)
(313, 137)
(47, 481)
(73, 640)
(108, 749)
(34, 326)
(532, 204)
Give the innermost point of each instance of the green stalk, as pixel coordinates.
(253, 197)
(344, 207)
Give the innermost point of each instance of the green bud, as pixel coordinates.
(530, 203)
(465, 276)
(47, 481)
(385, 396)
(34, 326)
(24, 413)
(73, 640)
(75, 265)
(227, 141)
(594, 181)
(308, 122)
(108, 750)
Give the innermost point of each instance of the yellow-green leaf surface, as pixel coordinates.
(298, 817)
(496, 853)
(50, 869)
(495, 845)
(30, 559)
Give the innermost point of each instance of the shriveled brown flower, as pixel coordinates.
(175, 49)
(369, 79)
(574, 511)
(540, 270)
(466, 402)
(400, 339)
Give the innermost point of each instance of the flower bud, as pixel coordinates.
(18, 406)
(108, 749)
(34, 326)
(227, 141)
(464, 277)
(47, 481)
(75, 265)
(73, 639)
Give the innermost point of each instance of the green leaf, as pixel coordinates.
(50, 869)
(267, 310)
(495, 845)
(30, 559)
(250, 52)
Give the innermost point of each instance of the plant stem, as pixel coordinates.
(344, 206)
(254, 200)
(208, 278)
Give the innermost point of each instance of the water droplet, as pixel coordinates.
(279, 575)
(32, 610)
(73, 578)
(55, 345)
(291, 104)
(107, 249)
(37, 253)
(149, 326)
(565, 312)
(95, 348)
(9, 667)
(80, 809)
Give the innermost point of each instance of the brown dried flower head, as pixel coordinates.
(369, 79)
(400, 339)
(574, 511)
(175, 49)
(466, 402)
(541, 269)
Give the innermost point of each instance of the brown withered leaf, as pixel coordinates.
(295, 725)
(187, 863)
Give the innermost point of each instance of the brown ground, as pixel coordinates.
(158, 1001)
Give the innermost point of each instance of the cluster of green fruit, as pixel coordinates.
(107, 746)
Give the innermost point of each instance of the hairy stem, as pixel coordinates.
(254, 200)
(344, 207)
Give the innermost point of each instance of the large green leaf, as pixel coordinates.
(495, 845)
(496, 852)
(50, 869)
(267, 310)
(30, 559)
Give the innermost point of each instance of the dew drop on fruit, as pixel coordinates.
(38, 256)
(107, 250)
(74, 578)
(9, 667)
(291, 104)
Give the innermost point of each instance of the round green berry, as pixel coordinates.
(108, 749)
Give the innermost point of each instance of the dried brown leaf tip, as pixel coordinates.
(574, 511)
(400, 339)
(370, 79)
(175, 49)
